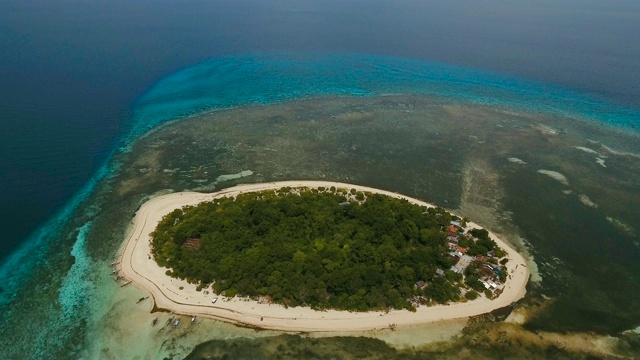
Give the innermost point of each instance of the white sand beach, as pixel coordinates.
(180, 297)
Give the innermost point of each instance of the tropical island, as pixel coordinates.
(316, 256)
(327, 248)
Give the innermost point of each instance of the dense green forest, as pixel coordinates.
(324, 248)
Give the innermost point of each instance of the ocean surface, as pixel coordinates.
(81, 81)
(70, 73)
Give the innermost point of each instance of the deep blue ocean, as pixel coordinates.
(71, 73)
(80, 80)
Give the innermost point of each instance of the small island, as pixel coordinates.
(327, 248)
(315, 256)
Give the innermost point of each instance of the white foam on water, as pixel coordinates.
(63, 317)
(33, 251)
(76, 287)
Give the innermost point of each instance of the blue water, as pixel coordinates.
(70, 73)
(71, 76)
(268, 78)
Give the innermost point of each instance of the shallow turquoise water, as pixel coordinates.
(268, 78)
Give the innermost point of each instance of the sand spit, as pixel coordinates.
(587, 150)
(621, 153)
(224, 178)
(515, 160)
(547, 129)
(180, 297)
(599, 157)
(555, 175)
(585, 200)
(621, 226)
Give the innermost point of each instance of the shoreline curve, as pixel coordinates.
(138, 266)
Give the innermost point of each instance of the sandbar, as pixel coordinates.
(180, 297)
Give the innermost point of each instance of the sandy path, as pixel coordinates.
(138, 266)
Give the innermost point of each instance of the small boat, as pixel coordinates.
(142, 299)
(154, 322)
(213, 301)
(193, 319)
(176, 323)
(127, 283)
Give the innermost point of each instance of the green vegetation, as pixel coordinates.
(325, 249)
(471, 295)
(482, 245)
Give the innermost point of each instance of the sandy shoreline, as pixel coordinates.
(137, 265)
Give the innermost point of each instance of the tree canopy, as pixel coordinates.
(324, 248)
